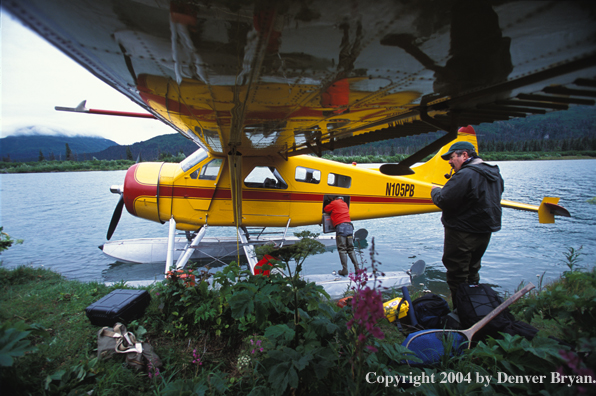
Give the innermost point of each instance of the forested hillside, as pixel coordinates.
(29, 148)
(571, 130)
(149, 150)
(51, 147)
(574, 129)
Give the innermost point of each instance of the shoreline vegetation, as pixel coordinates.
(279, 335)
(111, 165)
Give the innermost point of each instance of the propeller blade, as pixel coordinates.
(116, 217)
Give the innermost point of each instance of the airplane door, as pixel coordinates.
(201, 184)
(327, 223)
(266, 199)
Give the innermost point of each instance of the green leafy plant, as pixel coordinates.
(76, 379)
(569, 302)
(572, 258)
(6, 241)
(14, 342)
(236, 300)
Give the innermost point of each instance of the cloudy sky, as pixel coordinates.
(36, 77)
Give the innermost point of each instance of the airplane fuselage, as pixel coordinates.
(274, 191)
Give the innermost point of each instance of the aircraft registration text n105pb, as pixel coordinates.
(399, 190)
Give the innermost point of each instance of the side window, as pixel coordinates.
(195, 174)
(265, 177)
(211, 170)
(339, 180)
(307, 175)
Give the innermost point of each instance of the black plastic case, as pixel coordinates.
(121, 305)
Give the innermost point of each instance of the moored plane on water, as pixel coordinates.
(259, 85)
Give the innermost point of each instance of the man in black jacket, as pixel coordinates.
(471, 205)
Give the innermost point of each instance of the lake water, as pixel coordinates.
(63, 218)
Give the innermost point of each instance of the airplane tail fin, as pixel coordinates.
(435, 170)
(547, 210)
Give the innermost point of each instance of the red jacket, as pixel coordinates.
(263, 267)
(340, 213)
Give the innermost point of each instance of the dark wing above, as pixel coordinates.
(290, 77)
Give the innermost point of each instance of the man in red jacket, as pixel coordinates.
(340, 217)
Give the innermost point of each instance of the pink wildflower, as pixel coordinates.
(367, 308)
(197, 358)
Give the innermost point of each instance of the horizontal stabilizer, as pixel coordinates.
(549, 208)
(519, 206)
(557, 210)
(546, 211)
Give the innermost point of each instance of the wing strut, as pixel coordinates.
(404, 166)
(235, 165)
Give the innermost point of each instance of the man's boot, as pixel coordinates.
(354, 260)
(343, 257)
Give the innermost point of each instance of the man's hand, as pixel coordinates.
(433, 187)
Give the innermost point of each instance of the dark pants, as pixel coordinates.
(345, 237)
(462, 253)
(344, 244)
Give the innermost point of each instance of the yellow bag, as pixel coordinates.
(391, 309)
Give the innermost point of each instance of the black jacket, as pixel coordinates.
(471, 199)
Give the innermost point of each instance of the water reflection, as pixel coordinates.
(474, 29)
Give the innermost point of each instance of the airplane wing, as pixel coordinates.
(294, 77)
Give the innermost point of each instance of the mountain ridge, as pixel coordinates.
(26, 148)
(555, 128)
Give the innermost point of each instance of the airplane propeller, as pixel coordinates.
(117, 212)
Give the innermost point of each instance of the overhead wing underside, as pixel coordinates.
(294, 77)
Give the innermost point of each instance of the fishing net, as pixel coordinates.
(434, 346)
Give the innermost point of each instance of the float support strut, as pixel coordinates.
(171, 244)
(181, 263)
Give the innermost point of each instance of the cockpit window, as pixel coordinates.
(211, 170)
(193, 159)
(265, 177)
(307, 175)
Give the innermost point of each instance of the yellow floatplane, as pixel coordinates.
(258, 85)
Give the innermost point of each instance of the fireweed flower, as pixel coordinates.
(196, 358)
(575, 363)
(367, 308)
(153, 372)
